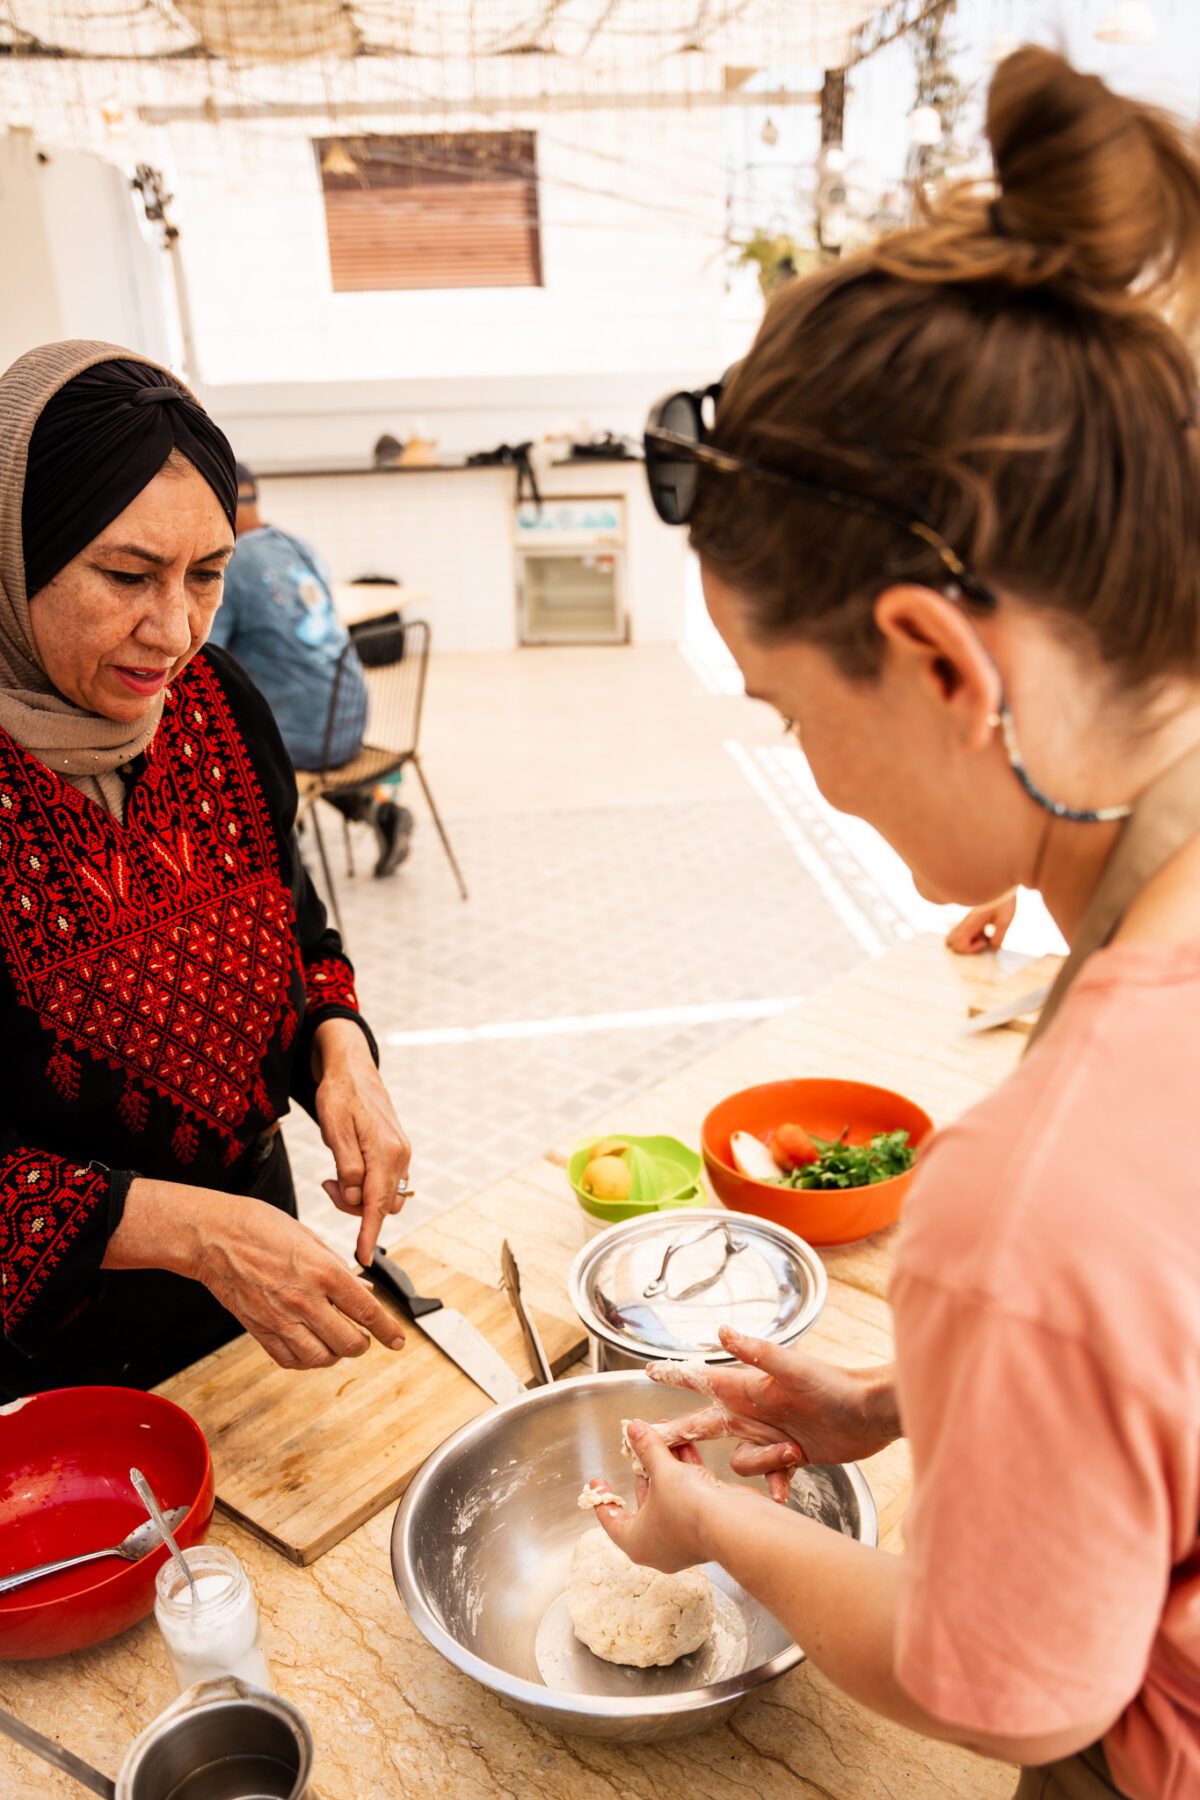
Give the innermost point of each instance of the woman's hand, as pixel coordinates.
(984, 927)
(787, 1407)
(359, 1124)
(675, 1498)
(274, 1275)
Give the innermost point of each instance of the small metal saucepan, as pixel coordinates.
(659, 1287)
(221, 1740)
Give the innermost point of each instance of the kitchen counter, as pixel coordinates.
(440, 465)
(451, 531)
(389, 1716)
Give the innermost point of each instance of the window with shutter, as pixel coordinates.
(455, 210)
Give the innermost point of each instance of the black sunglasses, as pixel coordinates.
(678, 440)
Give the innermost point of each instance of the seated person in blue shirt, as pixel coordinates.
(278, 618)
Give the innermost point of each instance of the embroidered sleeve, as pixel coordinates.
(329, 981)
(329, 988)
(56, 1217)
(328, 978)
(328, 984)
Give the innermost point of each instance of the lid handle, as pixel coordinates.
(732, 1246)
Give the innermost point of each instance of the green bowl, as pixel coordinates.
(666, 1175)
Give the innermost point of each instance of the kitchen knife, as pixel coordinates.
(1013, 1009)
(450, 1331)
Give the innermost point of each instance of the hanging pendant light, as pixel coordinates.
(770, 134)
(1127, 22)
(925, 126)
(337, 160)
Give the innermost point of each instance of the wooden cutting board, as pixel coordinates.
(1028, 980)
(304, 1456)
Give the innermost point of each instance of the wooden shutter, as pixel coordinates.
(457, 210)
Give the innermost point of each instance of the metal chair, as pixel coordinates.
(394, 656)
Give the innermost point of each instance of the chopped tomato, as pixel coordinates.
(792, 1147)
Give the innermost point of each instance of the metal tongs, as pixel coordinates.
(538, 1360)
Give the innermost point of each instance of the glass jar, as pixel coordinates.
(218, 1634)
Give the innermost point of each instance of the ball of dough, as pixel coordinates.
(628, 1614)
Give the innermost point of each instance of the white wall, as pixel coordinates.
(277, 425)
(78, 263)
(631, 253)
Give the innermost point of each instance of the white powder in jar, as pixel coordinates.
(218, 1632)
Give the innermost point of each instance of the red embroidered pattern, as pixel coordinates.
(163, 945)
(330, 982)
(44, 1202)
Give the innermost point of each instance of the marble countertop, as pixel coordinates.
(390, 1717)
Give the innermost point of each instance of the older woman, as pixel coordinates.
(167, 977)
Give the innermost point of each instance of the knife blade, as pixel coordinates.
(1013, 1009)
(451, 1332)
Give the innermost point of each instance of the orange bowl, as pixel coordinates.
(65, 1457)
(820, 1216)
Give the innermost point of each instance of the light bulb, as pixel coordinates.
(770, 134)
(337, 160)
(924, 126)
(1127, 22)
(835, 157)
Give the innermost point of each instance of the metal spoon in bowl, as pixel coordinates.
(145, 1494)
(139, 1543)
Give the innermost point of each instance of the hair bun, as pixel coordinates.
(1111, 184)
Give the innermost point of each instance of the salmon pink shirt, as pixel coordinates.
(1047, 1311)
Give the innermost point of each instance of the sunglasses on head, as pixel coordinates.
(678, 443)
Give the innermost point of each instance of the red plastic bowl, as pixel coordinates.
(826, 1108)
(65, 1458)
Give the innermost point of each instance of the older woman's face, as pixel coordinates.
(125, 615)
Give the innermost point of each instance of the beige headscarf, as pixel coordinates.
(82, 747)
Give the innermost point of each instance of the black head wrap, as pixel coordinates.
(97, 443)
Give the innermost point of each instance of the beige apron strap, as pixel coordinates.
(1165, 818)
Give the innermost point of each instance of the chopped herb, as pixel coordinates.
(841, 1165)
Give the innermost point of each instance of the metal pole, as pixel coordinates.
(148, 182)
(191, 358)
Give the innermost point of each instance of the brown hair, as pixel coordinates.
(1008, 371)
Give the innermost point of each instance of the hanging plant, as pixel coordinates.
(778, 259)
(940, 92)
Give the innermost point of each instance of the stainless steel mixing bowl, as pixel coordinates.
(482, 1545)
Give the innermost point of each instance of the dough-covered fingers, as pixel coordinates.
(695, 1427)
(761, 1353)
(763, 1459)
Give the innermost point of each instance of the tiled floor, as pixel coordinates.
(649, 869)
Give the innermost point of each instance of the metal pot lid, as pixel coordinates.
(660, 1286)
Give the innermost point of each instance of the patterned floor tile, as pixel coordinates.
(574, 915)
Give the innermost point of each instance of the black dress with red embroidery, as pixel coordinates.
(160, 980)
